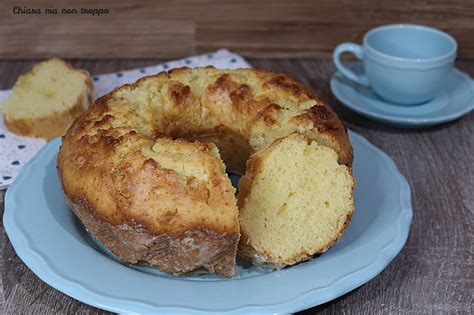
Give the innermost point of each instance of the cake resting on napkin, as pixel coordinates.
(46, 101)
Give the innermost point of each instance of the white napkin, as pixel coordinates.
(16, 151)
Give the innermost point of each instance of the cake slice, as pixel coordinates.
(296, 202)
(45, 101)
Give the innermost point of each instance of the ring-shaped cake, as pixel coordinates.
(144, 169)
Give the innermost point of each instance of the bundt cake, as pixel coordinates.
(144, 170)
(47, 100)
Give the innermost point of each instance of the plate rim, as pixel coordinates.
(397, 120)
(304, 300)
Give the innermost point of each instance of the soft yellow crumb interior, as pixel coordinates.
(50, 87)
(298, 201)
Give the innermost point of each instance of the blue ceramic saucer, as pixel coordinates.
(455, 100)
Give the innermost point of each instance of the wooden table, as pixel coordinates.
(171, 28)
(433, 273)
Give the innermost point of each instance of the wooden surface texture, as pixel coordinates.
(173, 28)
(434, 273)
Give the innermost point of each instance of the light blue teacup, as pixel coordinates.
(403, 63)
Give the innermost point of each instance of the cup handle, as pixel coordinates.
(357, 51)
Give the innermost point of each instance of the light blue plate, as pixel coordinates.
(455, 100)
(54, 245)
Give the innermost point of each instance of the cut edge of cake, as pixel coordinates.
(289, 208)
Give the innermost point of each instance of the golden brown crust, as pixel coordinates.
(116, 189)
(133, 186)
(195, 252)
(57, 124)
(92, 156)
